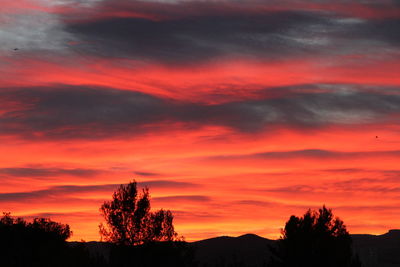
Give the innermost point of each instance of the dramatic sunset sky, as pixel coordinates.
(235, 113)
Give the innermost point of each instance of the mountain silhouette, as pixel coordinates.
(378, 250)
(246, 250)
(251, 250)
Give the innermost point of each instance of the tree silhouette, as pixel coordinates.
(38, 243)
(129, 220)
(41, 243)
(315, 240)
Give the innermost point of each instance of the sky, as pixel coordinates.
(236, 114)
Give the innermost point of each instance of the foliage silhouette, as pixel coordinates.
(41, 242)
(141, 238)
(316, 239)
(129, 220)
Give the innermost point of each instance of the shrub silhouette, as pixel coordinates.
(129, 220)
(39, 243)
(316, 239)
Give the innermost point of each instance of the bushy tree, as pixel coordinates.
(129, 221)
(317, 239)
(43, 227)
(38, 243)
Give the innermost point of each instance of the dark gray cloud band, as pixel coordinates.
(190, 39)
(195, 38)
(46, 172)
(75, 112)
(56, 192)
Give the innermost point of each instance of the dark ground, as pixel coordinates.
(253, 251)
